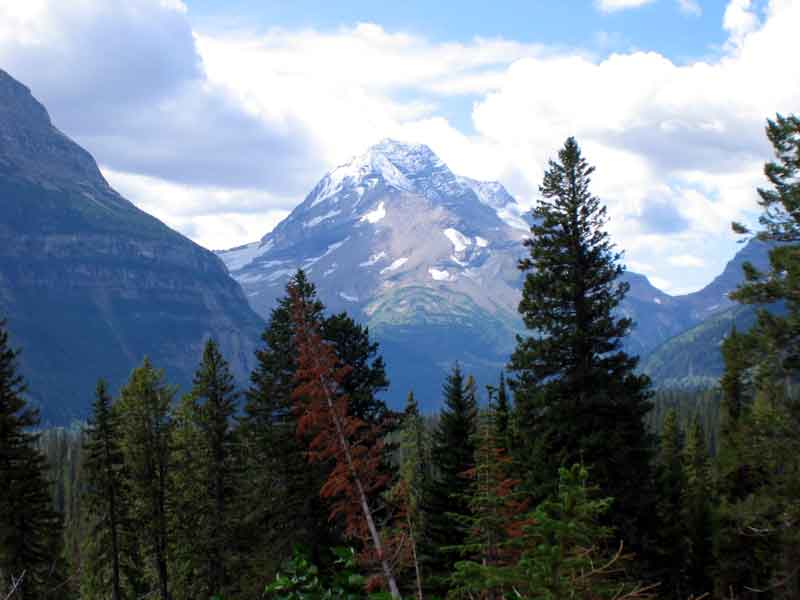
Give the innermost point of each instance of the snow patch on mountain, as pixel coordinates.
(395, 265)
(480, 242)
(278, 273)
(353, 174)
(242, 256)
(375, 215)
(458, 239)
(373, 259)
(332, 248)
(440, 275)
(317, 220)
(512, 215)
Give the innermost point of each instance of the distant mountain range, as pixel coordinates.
(89, 283)
(424, 257)
(428, 259)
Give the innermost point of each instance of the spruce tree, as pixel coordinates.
(452, 456)
(697, 510)
(146, 433)
(561, 551)
(577, 394)
(104, 498)
(493, 521)
(407, 494)
(367, 376)
(672, 536)
(758, 470)
(206, 480)
(215, 392)
(30, 529)
(274, 455)
(281, 507)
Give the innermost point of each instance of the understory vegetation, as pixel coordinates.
(567, 477)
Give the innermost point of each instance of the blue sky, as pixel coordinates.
(659, 26)
(219, 117)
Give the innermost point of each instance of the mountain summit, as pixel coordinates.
(393, 217)
(426, 258)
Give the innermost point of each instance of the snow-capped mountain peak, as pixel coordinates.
(391, 217)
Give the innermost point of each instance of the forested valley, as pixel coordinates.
(568, 476)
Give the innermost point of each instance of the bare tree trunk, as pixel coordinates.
(417, 573)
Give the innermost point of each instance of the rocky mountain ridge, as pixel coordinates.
(427, 259)
(89, 283)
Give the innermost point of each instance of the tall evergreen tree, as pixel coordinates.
(281, 506)
(146, 433)
(493, 522)
(274, 455)
(561, 552)
(104, 498)
(769, 360)
(696, 506)
(207, 479)
(367, 376)
(412, 481)
(576, 391)
(503, 414)
(345, 441)
(452, 456)
(30, 530)
(672, 541)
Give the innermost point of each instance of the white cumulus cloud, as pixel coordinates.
(217, 132)
(616, 5)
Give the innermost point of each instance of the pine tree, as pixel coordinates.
(412, 481)
(281, 506)
(562, 552)
(103, 498)
(452, 456)
(577, 394)
(274, 455)
(697, 510)
(338, 437)
(367, 375)
(672, 537)
(30, 530)
(503, 415)
(493, 521)
(214, 389)
(206, 478)
(146, 431)
(758, 469)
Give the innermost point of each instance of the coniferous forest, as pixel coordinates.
(569, 476)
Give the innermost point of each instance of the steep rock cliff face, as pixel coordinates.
(89, 283)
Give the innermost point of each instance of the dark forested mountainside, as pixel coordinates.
(88, 282)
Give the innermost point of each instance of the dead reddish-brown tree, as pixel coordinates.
(352, 447)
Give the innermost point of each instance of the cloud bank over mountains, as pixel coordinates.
(221, 132)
